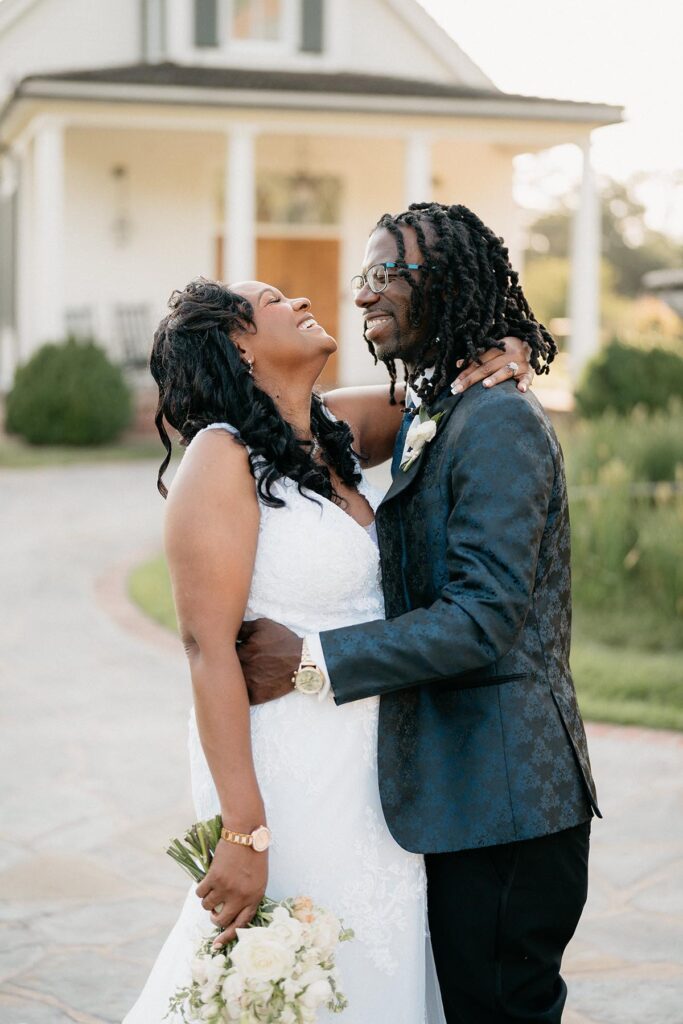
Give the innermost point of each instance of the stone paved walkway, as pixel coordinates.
(92, 759)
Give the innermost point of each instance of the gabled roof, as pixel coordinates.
(220, 77)
(441, 44)
(410, 12)
(10, 10)
(221, 86)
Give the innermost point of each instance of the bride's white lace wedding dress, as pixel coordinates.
(316, 568)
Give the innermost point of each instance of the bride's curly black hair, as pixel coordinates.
(202, 379)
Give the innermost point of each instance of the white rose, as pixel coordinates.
(286, 928)
(288, 1016)
(215, 968)
(199, 969)
(291, 988)
(311, 976)
(231, 990)
(325, 932)
(261, 956)
(309, 956)
(316, 994)
(419, 433)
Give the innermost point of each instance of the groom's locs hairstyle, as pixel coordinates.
(202, 379)
(468, 299)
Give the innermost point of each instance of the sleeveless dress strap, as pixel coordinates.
(219, 426)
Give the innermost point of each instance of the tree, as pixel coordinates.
(629, 246)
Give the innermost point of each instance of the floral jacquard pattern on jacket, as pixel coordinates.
(480, 737)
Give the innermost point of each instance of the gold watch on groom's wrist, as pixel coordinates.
(308, 678)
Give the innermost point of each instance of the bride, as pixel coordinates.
(270, 515)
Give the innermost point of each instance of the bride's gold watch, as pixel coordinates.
(308, 678)
(259, 840)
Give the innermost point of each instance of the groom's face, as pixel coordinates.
(386, 314)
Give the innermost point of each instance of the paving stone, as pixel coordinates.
(151, 871)
(91, 982)
(622, 864)
(145, 949)
(664, 896)
(634, 937)
(101, 924)
(23, 1011)
(627, 1001)
(10, 854)
(95, 779)
(52, 876)
(19, 957)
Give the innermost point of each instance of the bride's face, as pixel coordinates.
(287, 337)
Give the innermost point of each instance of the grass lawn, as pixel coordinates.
(626, 685)
(16, 454)
(149, 587)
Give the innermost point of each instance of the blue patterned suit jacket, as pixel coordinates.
(480, 737)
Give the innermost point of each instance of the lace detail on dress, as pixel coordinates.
(316, 568)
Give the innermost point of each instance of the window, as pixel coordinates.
(251, 25)
(256, 20)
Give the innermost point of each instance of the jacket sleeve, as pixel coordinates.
(502, 478)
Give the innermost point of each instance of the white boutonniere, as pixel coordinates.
(421, 431)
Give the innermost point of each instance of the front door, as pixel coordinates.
(306, 267)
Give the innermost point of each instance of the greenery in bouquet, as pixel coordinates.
(279, 969)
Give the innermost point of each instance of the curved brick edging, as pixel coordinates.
(111, 592)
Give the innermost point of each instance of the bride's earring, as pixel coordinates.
(250, 364)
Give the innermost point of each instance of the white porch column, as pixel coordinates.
(9, 182)
(418, 169)
(239, 230)
(584, 304)
(48, 226)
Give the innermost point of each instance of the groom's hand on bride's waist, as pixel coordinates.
(270, 654)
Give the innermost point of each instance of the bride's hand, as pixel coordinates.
(495, 366)
(236, 879)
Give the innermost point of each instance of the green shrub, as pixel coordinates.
(621, 378)
(627, 558)
(650, 445)
(69, 394)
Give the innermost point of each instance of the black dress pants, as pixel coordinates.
(500, 918)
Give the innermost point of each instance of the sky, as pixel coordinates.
(626, 52)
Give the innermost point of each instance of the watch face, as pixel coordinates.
(261, 839)
(309, 680)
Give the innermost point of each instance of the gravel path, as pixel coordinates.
(92, 758)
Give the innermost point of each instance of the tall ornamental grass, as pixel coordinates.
(626, 493)
(650, 445)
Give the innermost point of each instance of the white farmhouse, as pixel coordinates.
(145, 142)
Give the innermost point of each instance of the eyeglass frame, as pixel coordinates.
(388, 265)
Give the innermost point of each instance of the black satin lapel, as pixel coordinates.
(445, 404)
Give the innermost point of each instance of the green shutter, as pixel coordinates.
(205, 23)
(312, 26)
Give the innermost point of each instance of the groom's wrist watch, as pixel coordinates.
(308, 678)
(259, 840)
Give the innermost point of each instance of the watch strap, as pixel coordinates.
(239, 838)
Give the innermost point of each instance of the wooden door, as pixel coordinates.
(310, 267)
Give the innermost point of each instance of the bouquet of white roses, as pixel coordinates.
(279, 970)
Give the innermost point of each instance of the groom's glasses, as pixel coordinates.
(379, 275)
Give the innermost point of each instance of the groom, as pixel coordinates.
(483, 764)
